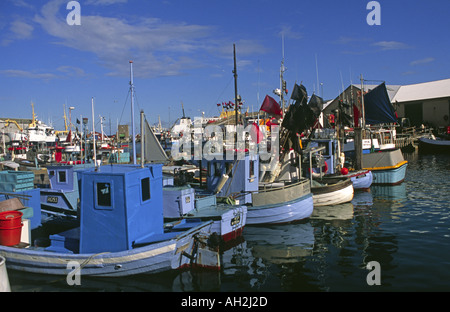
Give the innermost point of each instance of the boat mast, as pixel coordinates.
(363, 121)
(235, 88)
(93, 132)
(282, 70)
(142, 139)
(132, 113)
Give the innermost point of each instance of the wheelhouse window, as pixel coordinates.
(62, 177)
(252, 168)
(217, 169)
(104, 194)
(145, 186)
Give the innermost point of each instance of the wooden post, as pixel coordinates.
(358, 149)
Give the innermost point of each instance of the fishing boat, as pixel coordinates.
(327, 189)
(62, 196)
(433, 145)
(362, 179)
(37, 131)
(332, 191)
(388, 166)
(184, 202)
(120, 231)
(267, 203)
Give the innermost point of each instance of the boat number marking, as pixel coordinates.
(52, 199)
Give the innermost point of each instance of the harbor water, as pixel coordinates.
(402, 232)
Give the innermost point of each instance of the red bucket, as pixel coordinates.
(10, 227)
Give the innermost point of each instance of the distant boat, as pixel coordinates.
(434, 145)
(37, 131)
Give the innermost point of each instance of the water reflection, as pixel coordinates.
(333, 212)
(281, 243)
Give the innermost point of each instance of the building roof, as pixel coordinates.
(401, 93)
(423, 91)
(391, 89)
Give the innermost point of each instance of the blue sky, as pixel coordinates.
(182, 52)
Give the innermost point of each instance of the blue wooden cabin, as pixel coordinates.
(63, 195)
(242, 172)
(121, 208)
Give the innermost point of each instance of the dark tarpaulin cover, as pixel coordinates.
(377, 106)
(316, 104)
(299, 116)
(299, 93)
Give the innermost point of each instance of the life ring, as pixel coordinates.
(324, 170)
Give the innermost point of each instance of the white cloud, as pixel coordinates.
(27, 74)
(18, 30)
(287, 32)
(391, 45)
(61, 73)
(158, 48)
(21, 30)
(422, 61)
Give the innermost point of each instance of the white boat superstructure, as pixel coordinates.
(37, 131)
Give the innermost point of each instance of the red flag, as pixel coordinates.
(271, 106)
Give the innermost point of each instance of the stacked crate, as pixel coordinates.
(16, 181)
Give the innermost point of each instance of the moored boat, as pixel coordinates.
(362, 179)
(434, 145)
(62, 195)
(332, 191)
(277, 203)
(120, 231)
(267, 203)
(388, 166)
(184, 202)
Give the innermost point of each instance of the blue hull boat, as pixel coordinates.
(153, 258)
(388, 166)
(119, 232)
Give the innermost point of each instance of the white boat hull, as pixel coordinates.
(333, 194)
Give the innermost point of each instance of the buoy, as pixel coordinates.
(344, 171)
